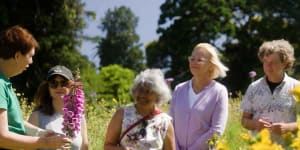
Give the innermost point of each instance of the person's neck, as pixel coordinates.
(275, 79)
(57, 105)
(145, 110)
(7, 71)
(198, 84)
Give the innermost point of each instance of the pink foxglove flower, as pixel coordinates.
(73, 110)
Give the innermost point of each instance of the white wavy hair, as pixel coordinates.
(155, 81)
(219, 69)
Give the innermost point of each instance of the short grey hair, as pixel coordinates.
(282, 47)
(155, 81)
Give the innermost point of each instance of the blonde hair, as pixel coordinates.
(219, 69)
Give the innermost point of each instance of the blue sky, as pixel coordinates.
(147, 11)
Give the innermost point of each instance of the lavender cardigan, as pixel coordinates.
(195, 125)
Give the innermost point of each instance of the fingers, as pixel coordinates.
(278, 128)
(262, 123)
(58, 141)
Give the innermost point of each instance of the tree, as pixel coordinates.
(182, 25)
(56, 24)
(120, 46)
(236, 27)
(258, 22)
(115, 83)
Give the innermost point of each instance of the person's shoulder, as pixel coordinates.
(127, 107)
(165, 116)
(37, 113)
(258, 82)
(292, 80)
(34, 117)
(218, 84)
(3, 83)
(182, 85)
(119, 112)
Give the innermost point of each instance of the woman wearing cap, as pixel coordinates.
(199, 106)
(48, 113)
(17, 47)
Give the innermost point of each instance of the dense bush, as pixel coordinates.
(115, 83)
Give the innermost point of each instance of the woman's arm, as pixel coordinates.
(12, 140)
(252, 124)
(113, 132)
(34, 118)
(85, 143)
(169, 141)
(32, 126)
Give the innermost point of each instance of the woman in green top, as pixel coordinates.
(17, 47)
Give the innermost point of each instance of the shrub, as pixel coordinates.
(115, 82)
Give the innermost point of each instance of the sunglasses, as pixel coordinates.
(54, 84)
(143, 131)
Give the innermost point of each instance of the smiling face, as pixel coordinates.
(144, 96)
(58, 87)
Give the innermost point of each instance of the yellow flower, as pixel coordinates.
(245, 136)
(287, 135)
(115, 101)
(265, 136)
(221, 146)
(296, 92)
(262, 146)
(296, 143)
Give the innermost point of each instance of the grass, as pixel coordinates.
(234, 127)
(98, 115)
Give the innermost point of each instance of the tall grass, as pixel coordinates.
(234, 127)
(98, 115)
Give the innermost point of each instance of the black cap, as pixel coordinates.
(60, 70)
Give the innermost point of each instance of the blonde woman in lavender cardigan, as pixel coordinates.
(199, 106)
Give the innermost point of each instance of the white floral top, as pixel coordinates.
(154, 130)
(278, 106)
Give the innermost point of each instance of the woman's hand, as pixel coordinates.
(57, 141)
(282, 128)
(262, 123)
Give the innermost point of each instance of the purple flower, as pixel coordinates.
(169, 80)
(252, 74)
(73, 109)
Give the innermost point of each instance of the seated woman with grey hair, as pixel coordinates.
(142, 125)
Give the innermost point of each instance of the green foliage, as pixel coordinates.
(121, 39)
(91, 82)
(234, 127)
(56, 24)
(98, 115)
(258, 22)
(236, 27)
(115, 82)
(183, 24)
